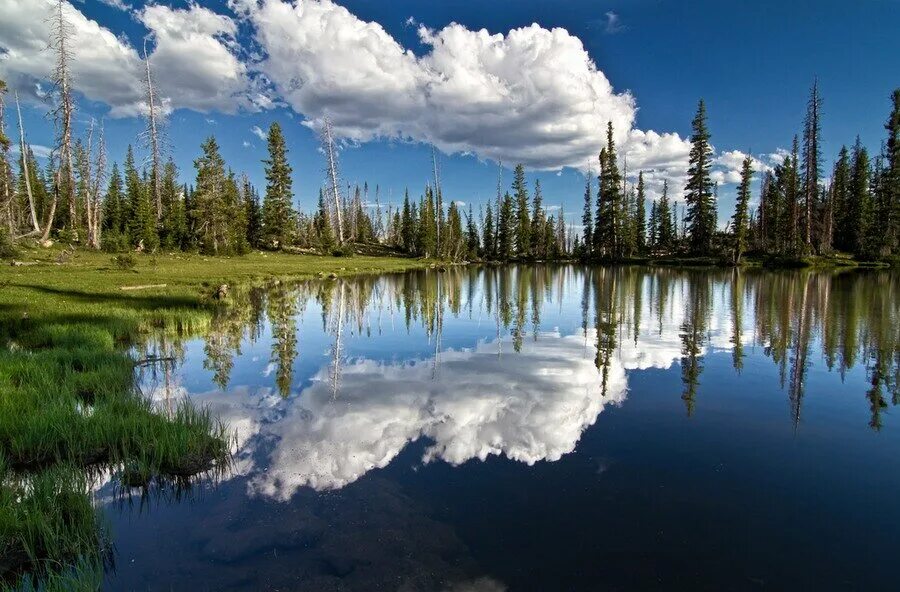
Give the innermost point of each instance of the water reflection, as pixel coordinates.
(514, 361)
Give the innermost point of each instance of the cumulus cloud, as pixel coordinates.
(532, 95)
(194, 57)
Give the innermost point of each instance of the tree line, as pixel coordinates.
(77, 198)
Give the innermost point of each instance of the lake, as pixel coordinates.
(534, 428)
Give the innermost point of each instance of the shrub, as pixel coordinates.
(125, 261)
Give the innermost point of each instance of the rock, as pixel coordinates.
(46, 243)
(222, 292)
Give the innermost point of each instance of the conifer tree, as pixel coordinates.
(322, 224)
(640, 227)
(811, 168)
(173, 225)
(253, 208)
(506, 232)
(523, 216)
(740, 220)
(587, 216)
(890, 184)
(699, 189)
(860, 200)
(666, 231)
(113, 219)
(489, 239)
(538, 221)
(277, 210)
(840, 197)
(609, 221)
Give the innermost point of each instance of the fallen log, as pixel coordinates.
(143, 287)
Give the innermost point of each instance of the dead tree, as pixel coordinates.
(5, 170)
(61, 33)
(36, 228)
(328, 148)
(151, 135)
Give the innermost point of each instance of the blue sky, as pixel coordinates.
(229, 66)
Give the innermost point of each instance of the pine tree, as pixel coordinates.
(489, 238)
(113, 219)
(538, 221)
(523, 216)
(699, 189)
(666, 231)
(640, 228)
(587, 216)
(860, 200)
(473, 244)
(173, 225)
(322, 225)
(841, 202)
(653, 237)
(277, 211)
(210, 200)
(506, 230)
(810, 168)
(890, 183)
(140, 222)
(610, 219)
(253, 208)
(740, 220)
(407, 226)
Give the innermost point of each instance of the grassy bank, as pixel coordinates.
(69, 406)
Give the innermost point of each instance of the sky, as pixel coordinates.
(506, 81)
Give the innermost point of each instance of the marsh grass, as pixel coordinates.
(70, 409)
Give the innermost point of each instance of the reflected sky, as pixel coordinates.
(394, 414)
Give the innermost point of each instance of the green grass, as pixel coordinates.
(68, 398)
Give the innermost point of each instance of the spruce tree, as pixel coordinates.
(210, 200)
(741, 218)
(489, 239)
(890, 184)
(840, 197)
(506, 230)
(699, 189)
(587, 216)
(860, 201)
(523, 216)
(640, 219)
(811, 168)
(609, 221)
(254, 214)
(666, 231)
(277, 210)
(173, 225)
(113, 220)
(538, 221)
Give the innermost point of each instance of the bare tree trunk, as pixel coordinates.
(333, 177)
(24, 150)
(65, 110)
(52, 212)
(152, 132)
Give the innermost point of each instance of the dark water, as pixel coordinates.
(537, 428)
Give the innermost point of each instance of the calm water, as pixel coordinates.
(536, 428)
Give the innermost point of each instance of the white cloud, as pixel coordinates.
(247, 144)
(194, 59)
(532, 96)
(257, 131)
